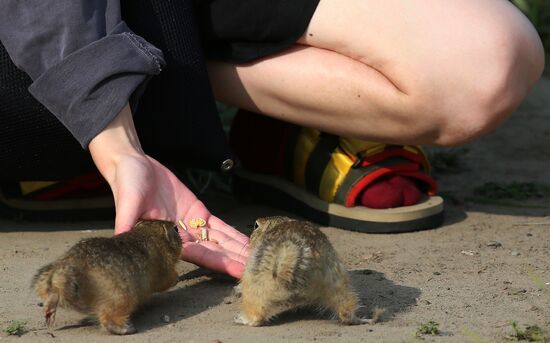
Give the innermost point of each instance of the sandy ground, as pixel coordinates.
(417, 277)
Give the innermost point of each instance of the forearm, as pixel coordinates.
(117, 140)
(84, 61)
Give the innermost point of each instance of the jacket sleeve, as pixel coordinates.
(84, 61)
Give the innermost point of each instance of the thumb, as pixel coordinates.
(127, 214)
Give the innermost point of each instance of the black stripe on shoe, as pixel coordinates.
(318, 161)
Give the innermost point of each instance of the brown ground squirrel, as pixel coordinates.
(110, 277)
(292, 264)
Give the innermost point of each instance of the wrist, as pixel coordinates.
(116, 140)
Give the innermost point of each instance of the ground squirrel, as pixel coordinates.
(292, 264)
(110, 277)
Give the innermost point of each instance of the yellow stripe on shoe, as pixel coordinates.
(335, 172)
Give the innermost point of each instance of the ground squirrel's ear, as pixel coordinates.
(169, 235)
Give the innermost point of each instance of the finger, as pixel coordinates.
(211, 259)
(229, 239)
(228, 243)
(212, 246)
(218, 224)
(127, 214)
(222, 238)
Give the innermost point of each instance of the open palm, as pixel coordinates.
(144, 188)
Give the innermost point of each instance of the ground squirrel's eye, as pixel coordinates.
(175, 228)
(256, 225)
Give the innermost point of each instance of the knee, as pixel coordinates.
(503, 71)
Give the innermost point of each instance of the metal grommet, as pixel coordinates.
(227, 165)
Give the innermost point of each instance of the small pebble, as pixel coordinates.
(40, 304)
(468, 252)
(166, 318)
(436, 273)
(515, 253)
(529, 234)
(494, 244)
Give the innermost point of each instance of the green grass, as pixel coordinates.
(537, 280)
(430, 328)
(532, 333)
(16, 328)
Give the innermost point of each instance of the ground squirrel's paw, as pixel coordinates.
(364, 321)
(239, 319)
(238, 291)
(49, 315)
(377, 315)
(243, 320)
(126, 329)
(356, 321)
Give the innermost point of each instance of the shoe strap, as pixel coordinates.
(339, 168)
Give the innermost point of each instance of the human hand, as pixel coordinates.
(144, 188)
(148, 190)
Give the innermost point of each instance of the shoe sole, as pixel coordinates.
(280, 193)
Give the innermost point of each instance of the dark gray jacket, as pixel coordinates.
(84, 61)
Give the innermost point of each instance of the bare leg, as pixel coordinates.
(393, 71)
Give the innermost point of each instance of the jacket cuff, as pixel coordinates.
(88, 88)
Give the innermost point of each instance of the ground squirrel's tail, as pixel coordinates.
(42, 278)
(55, 285)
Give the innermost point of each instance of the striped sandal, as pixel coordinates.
(321, 177)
